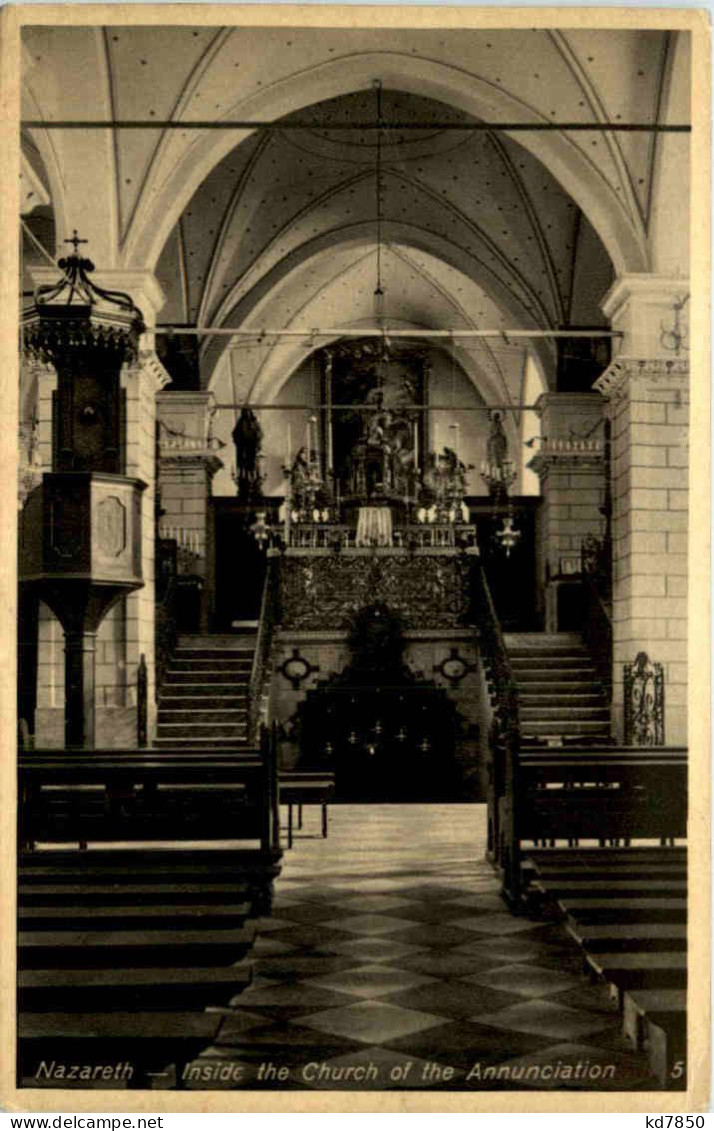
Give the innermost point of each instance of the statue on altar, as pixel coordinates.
(383, 459)
(308, 495)
(444, 487)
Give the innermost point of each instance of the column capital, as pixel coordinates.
(625, 374)
(575, 455)
(150, 367)
(185, 429)
(651, 312)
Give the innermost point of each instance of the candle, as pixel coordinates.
(289, 445)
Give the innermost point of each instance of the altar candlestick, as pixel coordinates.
(289, 446)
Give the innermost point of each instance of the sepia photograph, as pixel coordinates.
(354, 658)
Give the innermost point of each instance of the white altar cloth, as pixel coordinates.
(374, 526)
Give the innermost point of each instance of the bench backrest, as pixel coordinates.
(612, 793)
(76, 796)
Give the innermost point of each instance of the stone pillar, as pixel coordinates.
(142, 382)
(188, 462)
(570, 465)
(647, 387)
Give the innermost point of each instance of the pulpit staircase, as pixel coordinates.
(560, 697)
(204, 697)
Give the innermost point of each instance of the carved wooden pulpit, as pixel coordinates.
(80, 545)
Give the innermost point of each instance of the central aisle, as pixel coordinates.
(390, 961)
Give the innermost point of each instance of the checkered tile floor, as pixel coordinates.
(390, 961)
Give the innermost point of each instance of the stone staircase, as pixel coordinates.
(203, 700)
(559, 695)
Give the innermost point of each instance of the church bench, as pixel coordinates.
(630, 936)
(147, 1042)
(178, 895)
(657, 1019)
(86, 947)
(155, 988)
(565, 795)
(305, 787)
(627, 910)
(604, 794)
(625, 970)
(583, 889)
(126, 916)
(66, 797)
(624, 910)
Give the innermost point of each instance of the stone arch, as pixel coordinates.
(249, 312)
(161, 207)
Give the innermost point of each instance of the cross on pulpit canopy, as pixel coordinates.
(75, 241)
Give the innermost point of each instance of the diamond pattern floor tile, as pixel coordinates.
(370, 924)
(375, 948)
(370, 1021)
(389, 944)
(530, 981)
(536, 1016)
(454, 999)
(373, 981)
(386, 904)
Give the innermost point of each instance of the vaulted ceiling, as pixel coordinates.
(278, 227)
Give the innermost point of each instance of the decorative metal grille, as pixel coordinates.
(644, 702)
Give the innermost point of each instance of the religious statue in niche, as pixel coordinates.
(248, 439)
(377, 443)
(383, 460)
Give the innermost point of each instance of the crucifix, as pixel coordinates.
(75, 241)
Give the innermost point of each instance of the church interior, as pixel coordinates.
(352, 613)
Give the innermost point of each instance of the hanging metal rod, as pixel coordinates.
(299, 124)
(336, 332)
(373, 408)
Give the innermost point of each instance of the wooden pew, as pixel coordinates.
(622, 902)
(117, 928)
(568, 795)
(137, 1045)
(81, 796)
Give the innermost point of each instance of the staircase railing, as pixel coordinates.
(597, 624)
(263, 644)
(504, 739)
(166, 628)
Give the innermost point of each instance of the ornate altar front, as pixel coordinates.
(321, 589)
(372, 514)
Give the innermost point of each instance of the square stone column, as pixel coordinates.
(570, 465)
(649, 407)
(647, 387)
(188, 462)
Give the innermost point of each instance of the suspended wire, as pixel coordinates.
(379, 292)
